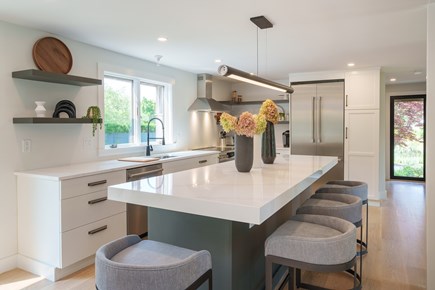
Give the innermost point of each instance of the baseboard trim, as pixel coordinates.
(8, 263)
(49, 272)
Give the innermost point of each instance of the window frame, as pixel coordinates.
(137, 77)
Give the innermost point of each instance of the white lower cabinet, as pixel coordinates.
(62, 222)
(189, 163)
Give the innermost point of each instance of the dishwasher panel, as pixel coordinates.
(137, 215)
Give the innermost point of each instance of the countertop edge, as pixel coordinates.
(66, 172)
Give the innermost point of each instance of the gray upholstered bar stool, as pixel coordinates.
(344, 206)
(132, 263)
(357, 188)
(314, 243)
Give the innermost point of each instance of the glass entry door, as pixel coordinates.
(407, 140)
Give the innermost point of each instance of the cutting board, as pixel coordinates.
(52, 55)
(139, 159)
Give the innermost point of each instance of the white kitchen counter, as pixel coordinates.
(84, 169)
(220, 191)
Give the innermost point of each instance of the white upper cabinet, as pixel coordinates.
(362, 89)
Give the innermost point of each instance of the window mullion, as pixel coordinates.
(136, 112)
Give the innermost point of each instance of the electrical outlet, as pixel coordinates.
(26, 145)
(87, 143)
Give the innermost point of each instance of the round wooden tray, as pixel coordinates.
(52, 55)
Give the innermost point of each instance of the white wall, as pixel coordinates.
(397, 90)
(430, 157)
(63, 144)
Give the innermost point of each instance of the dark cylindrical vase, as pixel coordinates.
(268, 147)
(244, 152)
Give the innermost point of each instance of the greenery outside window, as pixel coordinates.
(129, 103)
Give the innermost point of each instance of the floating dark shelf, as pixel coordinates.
(49, 77)
(283, 122)
(35, 120)
(251, 102)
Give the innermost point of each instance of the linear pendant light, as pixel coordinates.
(236, 74)
(227, 71)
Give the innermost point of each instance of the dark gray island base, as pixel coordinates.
(237, 250)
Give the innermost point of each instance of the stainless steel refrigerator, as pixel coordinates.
(317, 121)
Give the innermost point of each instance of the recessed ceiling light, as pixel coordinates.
(217, 60)
(350, 64)
(392, 80)
(162, 39)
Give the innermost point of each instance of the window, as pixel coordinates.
(129, 103)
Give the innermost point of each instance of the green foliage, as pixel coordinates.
(116, 119)
(94, 113)
(408, 122)
(147, 110)
(409, 171)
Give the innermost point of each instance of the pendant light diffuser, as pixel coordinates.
(236, 74)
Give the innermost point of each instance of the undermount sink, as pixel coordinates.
(167, 156)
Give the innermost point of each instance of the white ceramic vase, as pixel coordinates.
(40, 110)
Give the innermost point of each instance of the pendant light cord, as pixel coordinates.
(257, 51)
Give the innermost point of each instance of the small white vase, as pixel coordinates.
(258, 162)
(40, 110)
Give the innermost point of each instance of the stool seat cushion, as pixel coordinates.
(315, 239)
(133, 263)
(343, 206)
(357, 188)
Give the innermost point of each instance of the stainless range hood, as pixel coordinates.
(204, 101)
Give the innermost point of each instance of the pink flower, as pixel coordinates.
(246, 125)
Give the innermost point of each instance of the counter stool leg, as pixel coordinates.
(291, 278)
(298, 278)
(268, 273)
(367, 226)
(364, 244)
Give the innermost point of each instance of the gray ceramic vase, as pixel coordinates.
(244, 152)
(268, 147)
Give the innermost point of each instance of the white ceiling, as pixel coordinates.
(308, 35)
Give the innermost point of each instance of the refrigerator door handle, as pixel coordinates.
(319, 121)
(313, 123)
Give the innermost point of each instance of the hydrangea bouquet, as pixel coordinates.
(249, 124)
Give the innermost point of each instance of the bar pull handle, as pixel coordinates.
(97, 230)
(95, 183)
(319, 121)
(314, 110)
(97, 200)
(346, 133)
(345, 102)
(144, 174)
(202, 161)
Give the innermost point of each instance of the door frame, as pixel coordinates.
(392, 100)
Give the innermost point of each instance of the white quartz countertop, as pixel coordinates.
(220, 191)
(83, 169)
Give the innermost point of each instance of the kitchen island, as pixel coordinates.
(226, 212)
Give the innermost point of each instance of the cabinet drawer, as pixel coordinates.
(88, 208)
(81, 242)
(91, 183)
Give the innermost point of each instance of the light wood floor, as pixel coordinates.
(396, 258)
